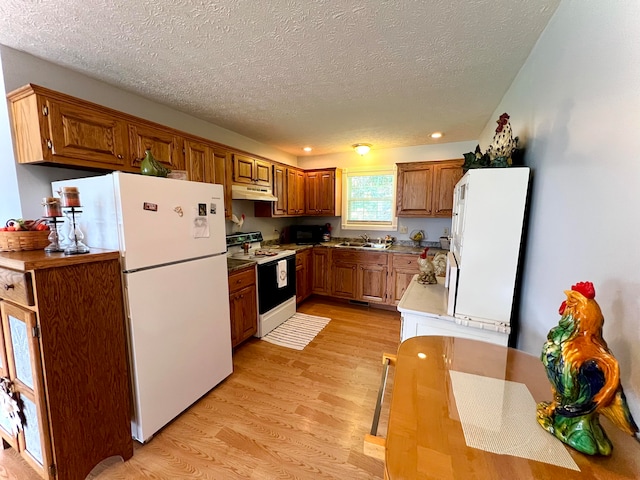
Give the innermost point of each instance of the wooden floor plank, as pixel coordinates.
(283, 413)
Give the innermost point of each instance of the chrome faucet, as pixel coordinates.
(365, 237)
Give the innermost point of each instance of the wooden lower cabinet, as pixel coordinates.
(303, 275)
(243, 304)
(359, 275)
(320, 271)
(63, 358)
(403, 268)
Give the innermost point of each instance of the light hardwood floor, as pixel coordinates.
(283, 413)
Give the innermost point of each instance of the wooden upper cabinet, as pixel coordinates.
(208, 163)
(199, 162)
(323, 189)
(166, 145)
(279, 207)
(252, 171)
(50, 127)
(295, 191)
(445, 177)
(425, 189)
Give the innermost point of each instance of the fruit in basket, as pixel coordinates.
(18, 225)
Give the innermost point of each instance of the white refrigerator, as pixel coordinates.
(476, 298)
(171, 236)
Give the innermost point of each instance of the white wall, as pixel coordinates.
(432, 227)
(576, 102)
(33, 181)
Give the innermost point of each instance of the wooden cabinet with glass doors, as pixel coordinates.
(63, 366)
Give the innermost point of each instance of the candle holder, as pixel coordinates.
(76, 236)
(55, 237)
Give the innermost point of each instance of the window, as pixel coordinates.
(369, 199)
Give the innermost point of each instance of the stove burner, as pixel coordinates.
(265, 253)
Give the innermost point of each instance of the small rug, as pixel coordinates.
(297, 331)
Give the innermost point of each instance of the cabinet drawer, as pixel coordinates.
(16, 286)
(402, 260)
(242, 279)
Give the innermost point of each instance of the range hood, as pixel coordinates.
(252, 192)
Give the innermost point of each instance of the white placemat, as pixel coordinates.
(499, 416)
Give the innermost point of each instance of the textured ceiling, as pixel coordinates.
(291, 73)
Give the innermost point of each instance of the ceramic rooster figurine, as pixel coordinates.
(237, 221)
(503, 143)
(584, 376)
(427, 273)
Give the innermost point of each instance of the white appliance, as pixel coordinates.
(276, 282)
(171, 236)
(476, 298)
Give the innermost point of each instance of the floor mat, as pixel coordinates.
(297, 331)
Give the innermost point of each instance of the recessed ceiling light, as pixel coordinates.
(436, 135)
(307, 149)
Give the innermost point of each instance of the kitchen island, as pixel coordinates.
(423, 309)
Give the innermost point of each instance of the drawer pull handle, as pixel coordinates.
(8, 286)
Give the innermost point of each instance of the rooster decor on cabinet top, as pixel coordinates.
(584, 376)
(502, 152)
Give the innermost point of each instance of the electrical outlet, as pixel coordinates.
(446, 232)
(404, 229)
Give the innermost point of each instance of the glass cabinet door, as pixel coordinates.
(6, 431)
(23, 363)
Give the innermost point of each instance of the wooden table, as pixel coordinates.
(425, 438)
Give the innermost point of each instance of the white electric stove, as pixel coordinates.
(276, 278)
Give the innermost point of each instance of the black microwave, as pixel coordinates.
(306, 234)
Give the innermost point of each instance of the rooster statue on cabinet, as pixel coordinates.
(584, 376)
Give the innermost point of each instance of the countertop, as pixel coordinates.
(428, 300)
(234, 264)
(39, 259)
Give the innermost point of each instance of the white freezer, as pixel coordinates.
(180, 338)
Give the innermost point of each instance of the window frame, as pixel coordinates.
(369, 171)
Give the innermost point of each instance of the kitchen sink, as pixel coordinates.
(365, 246)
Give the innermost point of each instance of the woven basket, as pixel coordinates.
(23, 240)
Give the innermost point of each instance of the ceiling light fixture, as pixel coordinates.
(362, 148)
(436, 135)
(307, 149)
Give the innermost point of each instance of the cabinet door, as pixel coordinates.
(6, 430)
(85, 137)
(344, 278)
(222, 175)
(295, 191)
(404, 267)
(312, 192)
(280, 190)
(244, 314)
(372, 283)
(24, 367)
(326, 193)
(445, 178)
(414, 190)
(303, 275)
(262, 172)
(320, 271)
(166, 146)
(198, 162)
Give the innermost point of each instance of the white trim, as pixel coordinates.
(372, 170)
